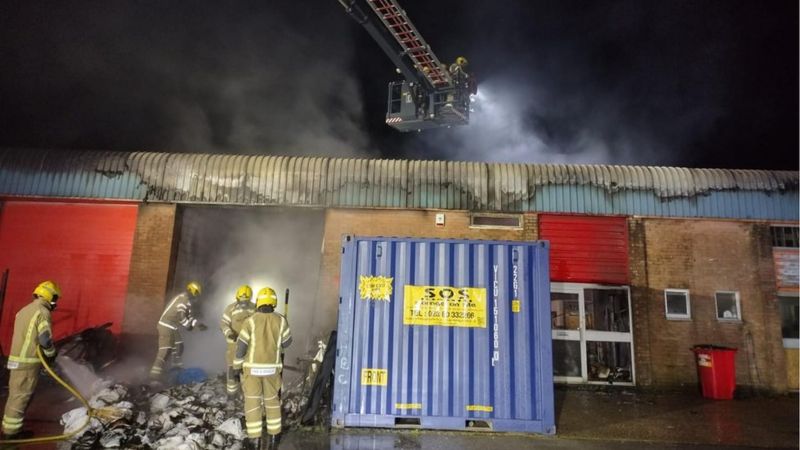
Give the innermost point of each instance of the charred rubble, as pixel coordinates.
(191, 416)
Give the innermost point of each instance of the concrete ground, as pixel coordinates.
(616, 418)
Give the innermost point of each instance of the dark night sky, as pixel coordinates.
(703, 83)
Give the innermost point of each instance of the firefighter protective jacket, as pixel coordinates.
(178, 312)
(233, 318)
(32, 328)
(260, 342)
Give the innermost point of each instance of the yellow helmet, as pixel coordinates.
(266, 297)
(461, 61)
(194, 288)
(48, 290)
(244, 293)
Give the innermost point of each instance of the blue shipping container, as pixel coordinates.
(445, 334)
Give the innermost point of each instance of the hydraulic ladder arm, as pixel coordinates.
(429, 96)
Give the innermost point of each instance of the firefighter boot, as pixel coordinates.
(21, 434)
(253, 444)
(272, 442)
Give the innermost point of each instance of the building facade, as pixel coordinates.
(646, 262)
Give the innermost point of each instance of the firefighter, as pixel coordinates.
(459, 68)
(465, 85)
(32, 330)
(231, 324)
(178, 313)
(258, 361)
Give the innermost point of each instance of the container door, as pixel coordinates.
(444, 334)
(85, 248)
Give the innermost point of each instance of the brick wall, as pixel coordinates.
(391, 223)
(640, 301)
(704, 256)
(152, 264)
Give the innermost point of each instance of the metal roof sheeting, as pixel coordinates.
(337, 182)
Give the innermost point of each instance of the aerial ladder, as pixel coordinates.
(431, 95)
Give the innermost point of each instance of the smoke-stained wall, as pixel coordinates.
(224, 248)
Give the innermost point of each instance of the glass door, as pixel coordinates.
(592, 338)
(568, 346)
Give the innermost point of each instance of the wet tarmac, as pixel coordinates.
(616, 418)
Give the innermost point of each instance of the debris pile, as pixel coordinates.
(192, 415)
(185, 417)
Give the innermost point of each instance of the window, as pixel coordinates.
(785, 236)
(606, 310)
(496, 221)
(790, 321)
(395, 98)
(676, 304)
(728, 307)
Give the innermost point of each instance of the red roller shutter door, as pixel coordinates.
(585, 249)
(85, 248)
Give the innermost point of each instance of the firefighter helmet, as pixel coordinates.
(194, 288)
(461, 61)
(48, 290)
(244, 293)
(267, 297)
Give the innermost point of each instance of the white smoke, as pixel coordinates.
(225, 248)
(513, 122)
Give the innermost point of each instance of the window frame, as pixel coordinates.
(687, 297)
(788, 342)
(738, 306)
(520, 221)
(779, 233)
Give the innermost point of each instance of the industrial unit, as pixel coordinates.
(645, 262)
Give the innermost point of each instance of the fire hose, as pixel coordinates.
(105, 413)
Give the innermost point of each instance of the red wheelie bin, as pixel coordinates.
(716, 370)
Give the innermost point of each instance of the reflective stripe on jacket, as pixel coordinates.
(261, 340)
(178, 313)
(32, 329)
(233, 318)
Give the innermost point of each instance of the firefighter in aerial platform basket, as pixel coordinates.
(178, 313)
(459, 68)
(32, 330)
(263, 337)
(464, 81)
(231, 324)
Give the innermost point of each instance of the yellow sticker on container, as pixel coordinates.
(444, 306)
(515, 306)
(408, 405)
(375, 288)
(483, 408)
(374, 377)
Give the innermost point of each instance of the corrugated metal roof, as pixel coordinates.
(336, 182)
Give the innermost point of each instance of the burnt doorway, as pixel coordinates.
(225, 247)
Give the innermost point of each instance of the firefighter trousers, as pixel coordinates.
(232, 384)
(170, 343)
(21, 384)
(261, 400)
